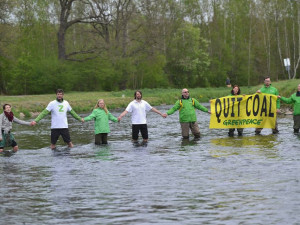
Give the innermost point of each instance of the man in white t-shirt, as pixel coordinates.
(138, 109)
(59, 121)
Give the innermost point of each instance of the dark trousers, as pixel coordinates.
(101, 139)
(258, 130)
(296, 122)
(231, 131)
(136, 128)
(185, 129)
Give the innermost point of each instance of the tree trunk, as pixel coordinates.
(296, 64)
(61, 42)
(278, 41)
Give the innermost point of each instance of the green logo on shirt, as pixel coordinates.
(60, 108)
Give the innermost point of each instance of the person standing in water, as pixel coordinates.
(59, 121)
(101, 116)
(187, 114)
(6, 119)
(295, 100)
(234, 92)
(138, 109)
(269, 89)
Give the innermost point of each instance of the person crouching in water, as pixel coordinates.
(6, 119)
(101, 117)
(234, 92)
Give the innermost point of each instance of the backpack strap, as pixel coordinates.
(181, 105)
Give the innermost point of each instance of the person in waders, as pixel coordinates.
(187, 114)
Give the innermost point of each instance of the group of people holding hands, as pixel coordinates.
(138, 109)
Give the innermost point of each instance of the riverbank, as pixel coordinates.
(82, 102)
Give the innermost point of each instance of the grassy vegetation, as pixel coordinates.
(85, 101)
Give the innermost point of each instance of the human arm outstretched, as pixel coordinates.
(174, 108)
(75, 115)
(200, 107)
(157, 111)
(112, 118)
(44, 113)
(122, 114)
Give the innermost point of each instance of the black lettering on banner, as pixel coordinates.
(264, 106)
(218, 114)
(270, 113)
(254, 100)
(239, 100)
(248, 112)
(232, 112)
(226, 107)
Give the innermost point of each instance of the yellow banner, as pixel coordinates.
(258, 111)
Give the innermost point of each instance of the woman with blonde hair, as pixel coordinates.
(101, 117)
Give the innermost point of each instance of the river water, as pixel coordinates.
(214, 180)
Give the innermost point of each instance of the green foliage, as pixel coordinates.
(188, 61)
(147, 44)
(149, 73)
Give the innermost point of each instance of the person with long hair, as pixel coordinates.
(7, 139)
(101, 116)
(138, 109)
(234, 92)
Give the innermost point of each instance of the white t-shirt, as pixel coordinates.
(59, 113)
(138, 111)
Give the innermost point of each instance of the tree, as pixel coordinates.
(87, 13)
(188, 61)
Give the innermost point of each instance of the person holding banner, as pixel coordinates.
(187, 114)
(234, 92)
(269, 89)
(295, 100)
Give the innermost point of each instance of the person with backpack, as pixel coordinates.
(187, 114)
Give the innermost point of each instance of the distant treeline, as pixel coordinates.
(112, 45)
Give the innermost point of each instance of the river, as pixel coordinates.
(215, 180)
